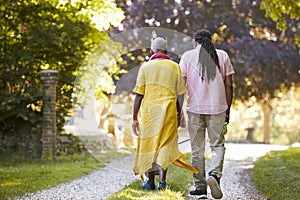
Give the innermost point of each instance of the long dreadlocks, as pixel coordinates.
(208, 58)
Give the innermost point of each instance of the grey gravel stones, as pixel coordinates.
(236, 182)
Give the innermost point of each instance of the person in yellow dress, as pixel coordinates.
(159, 91)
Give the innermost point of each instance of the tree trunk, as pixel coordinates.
(267, 111)
(250, 132)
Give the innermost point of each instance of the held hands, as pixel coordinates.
(178, 119)
(135, 127)
(181, 120)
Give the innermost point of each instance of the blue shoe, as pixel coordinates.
(147, 186)
(162, 186)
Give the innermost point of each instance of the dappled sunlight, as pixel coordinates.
(178, 182)
(247, 166)
(140, 194)
(14, 182)
(246, 119)
(103, 14)
(96, 48)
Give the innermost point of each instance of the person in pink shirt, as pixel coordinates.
(208, 75)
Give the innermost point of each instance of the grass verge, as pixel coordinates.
(179, 182)
(20, 176)
(277, 175)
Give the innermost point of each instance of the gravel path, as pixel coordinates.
(236, 182)
(96, 186)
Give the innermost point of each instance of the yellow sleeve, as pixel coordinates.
(140, 82)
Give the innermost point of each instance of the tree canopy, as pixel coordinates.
(286, 14)
(263, 68)
(38, 35)
(252, 40)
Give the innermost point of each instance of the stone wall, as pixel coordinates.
(24, 141)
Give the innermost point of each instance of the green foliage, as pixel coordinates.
(98, 73)
(277, 174)
(39, 35)
(279, 11)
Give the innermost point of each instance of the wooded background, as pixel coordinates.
(261, 37)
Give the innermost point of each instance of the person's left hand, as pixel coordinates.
(227, 116)
(135, 127)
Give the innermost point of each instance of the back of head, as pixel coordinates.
(159, 44)
(208, 58)
(201, 35)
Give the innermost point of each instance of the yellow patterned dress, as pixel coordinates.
(160, 81)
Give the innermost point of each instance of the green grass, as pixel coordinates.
(20, 176)
(277, 175)
(179, 182)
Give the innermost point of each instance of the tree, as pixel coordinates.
(286, 14)
(265, 70)
(37, 35)
(253, 41)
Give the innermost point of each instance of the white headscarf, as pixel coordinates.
(159, 43)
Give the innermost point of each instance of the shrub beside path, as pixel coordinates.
(236, 182)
